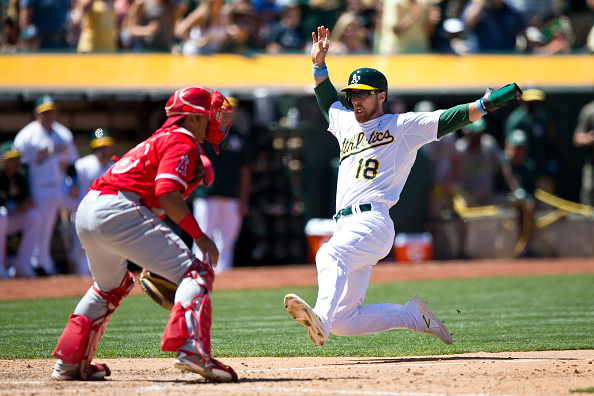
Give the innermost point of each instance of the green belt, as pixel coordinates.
(349, 211)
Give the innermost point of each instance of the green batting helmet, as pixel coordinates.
(367, 79)
(101, 137)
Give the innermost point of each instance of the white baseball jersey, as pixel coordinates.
(376, 157)
(88, 168)
(46, 153)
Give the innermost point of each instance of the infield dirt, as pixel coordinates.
(507, 373)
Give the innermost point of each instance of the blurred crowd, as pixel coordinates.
(191, 27)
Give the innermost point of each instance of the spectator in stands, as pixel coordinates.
(536, 12)
(9, 37)
(348, 37)
(581, 14)
(121, 8)
(367, 14)
(583, 137)
(205, 30)
(17, 212)
(244, 27)
(440, 38)
(406, 26)
(455, 37)
(492, 26)
(267, 12)
(319, 13)
(481, 161)
(48, 150)
(97, 22)
(287, 34)
(46, 21)
(531, 118)
(557, 34)
(149, 26)
(590, 39)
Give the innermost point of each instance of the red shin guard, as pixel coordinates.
(79, 340)
(176, 333)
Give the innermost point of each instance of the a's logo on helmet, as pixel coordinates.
(355, 79)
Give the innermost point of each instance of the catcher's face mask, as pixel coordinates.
(201, 100)
(220, 117)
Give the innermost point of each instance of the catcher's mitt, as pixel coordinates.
(158, 288)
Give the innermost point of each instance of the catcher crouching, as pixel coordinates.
(120, 219)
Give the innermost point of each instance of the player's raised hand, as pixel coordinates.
(319, 49)
(208, 247)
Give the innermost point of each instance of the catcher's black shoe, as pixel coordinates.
(302, 313)
(212, 370)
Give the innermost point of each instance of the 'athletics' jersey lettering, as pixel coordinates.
(359, 143)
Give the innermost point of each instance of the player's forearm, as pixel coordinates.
(456, 117)
(326, 95)
(319, 80)
(176, 209)
(174, 206)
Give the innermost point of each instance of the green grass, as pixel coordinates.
(492, 315)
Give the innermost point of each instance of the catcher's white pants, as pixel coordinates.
(344, 266)
(26, 222)
(220, 220)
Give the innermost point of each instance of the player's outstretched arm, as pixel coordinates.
(458, 116)
(319, 49)
(326, 94)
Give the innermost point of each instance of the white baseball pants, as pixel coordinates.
(344, 266)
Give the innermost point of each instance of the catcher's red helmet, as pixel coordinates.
(201, 100)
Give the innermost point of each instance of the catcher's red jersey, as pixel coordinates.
(165, 162)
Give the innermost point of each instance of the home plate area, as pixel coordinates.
(506, 373)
